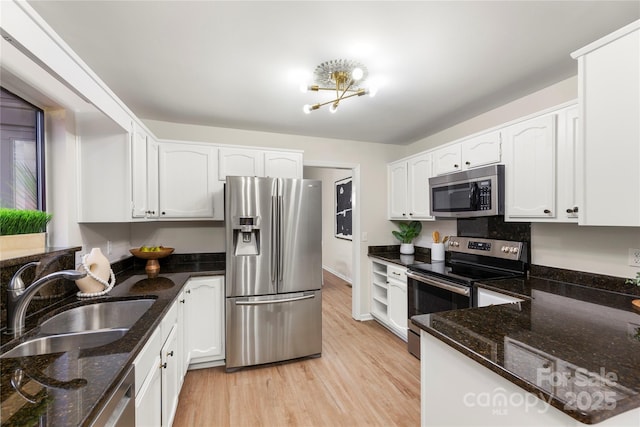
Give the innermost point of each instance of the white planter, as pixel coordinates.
(407, 248)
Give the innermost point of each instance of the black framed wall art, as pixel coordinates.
(343, 224)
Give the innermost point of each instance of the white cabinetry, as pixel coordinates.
(389, 296)
(170, 381)
(253, 162)
(477, 151)
(608, 92)
(280, 164)
(447, 159)
(204, 320)
(408, 184)
(240, 162)
(139, 165)
(187, 182)
(156, 372)
(481, 150)
(540, 173)
(530, 159)
(104, 170)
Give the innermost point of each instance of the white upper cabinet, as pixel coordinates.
(419, 171)
(447, 159)
(566, 176)
(139, 138)
(187, 181)
(609, 140)
(481, 150)
(530, 158)
(397, 185)
(253, 162)
(282, 164)
(408, 186)
(240, 162)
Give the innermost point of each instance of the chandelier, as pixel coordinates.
(340, 75)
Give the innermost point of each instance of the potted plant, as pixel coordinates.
(22, 230)
(408, 232)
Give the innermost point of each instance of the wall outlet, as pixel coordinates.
(365, 236)
(109, 247)
(634, 257)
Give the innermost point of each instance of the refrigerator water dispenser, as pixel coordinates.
(247, 236)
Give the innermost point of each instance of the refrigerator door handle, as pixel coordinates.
(276, 301)
(274, 238)
(280, 239)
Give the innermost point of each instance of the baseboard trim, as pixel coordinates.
(341, 276)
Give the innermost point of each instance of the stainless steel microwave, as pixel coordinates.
(472, 193)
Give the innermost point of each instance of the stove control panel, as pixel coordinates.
(488, 247)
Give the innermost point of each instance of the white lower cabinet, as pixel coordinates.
(389, 300)
(204, 320)
(170, 381)
(191, 334)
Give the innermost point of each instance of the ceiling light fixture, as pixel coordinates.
(340, 75)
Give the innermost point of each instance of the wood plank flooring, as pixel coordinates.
(365, 377)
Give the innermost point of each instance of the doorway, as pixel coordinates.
(340, 250)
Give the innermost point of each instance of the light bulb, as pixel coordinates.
(334, 107)
(304, 88)
(357, 73)
(307, 109)
(372, 91)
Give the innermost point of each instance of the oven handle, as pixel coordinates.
(460, 290)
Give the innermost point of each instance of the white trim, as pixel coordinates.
(635, 25)
(359, 309)
(337, 274)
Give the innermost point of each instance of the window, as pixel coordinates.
(21, 153)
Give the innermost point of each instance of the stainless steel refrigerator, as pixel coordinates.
(273, 270)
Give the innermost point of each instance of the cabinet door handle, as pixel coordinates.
(170, 353)
(164, 213)
(164, 365)
(404, 214)
(397, 274)
(468, 163)
(547, 211)
(410, 213)
(188, 291)
(455, 166)
(182, 301)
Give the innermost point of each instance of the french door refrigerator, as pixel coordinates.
(273, 270)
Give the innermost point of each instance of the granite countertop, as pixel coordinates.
(562, 340)
(70, 388)
(392, 254)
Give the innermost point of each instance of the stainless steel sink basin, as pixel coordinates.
(103, 315)
(65, 342)
(83, 327)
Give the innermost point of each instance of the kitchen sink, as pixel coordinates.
(83, 327)
(103, 315)
(65, 342)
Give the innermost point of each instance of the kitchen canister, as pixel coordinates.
(437, 252)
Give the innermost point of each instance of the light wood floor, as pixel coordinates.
(365, 377)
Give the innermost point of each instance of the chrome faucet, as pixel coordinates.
(19, 296)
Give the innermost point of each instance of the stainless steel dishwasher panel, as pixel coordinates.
(120, 410)
(273, 328)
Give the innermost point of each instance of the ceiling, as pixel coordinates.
(239, 64)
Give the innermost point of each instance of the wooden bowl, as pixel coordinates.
(153, 266)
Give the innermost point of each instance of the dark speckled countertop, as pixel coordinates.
(571, 330)
(66, 400)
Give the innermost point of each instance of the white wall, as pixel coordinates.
(601, 250)
(336, 253)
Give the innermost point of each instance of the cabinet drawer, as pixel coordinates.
(170, 319)
(397, 273)
(146, 360)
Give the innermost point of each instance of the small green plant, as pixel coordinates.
(408, 231)
(21, 221)
(635, 281)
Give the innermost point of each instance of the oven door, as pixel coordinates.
(431, 295)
